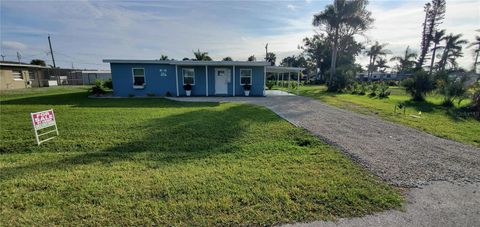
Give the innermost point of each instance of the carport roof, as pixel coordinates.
(281, 69)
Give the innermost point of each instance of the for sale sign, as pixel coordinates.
(42, 120)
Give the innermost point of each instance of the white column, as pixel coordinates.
(233, 86)
(264, 78)
(298, 83)
(288, 82)
(206, 80)
(176, 78)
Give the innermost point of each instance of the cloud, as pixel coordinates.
(291, 7)
(92, 31)
(13, 45)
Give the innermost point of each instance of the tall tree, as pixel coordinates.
(437, 38)
(271, 57)
(434, 14)
(252, 58)
(381, 64)
(405, 62)
(375, 51)
(318, 49)
(38, 62)
(294, 61)
(452, 50)
(476, 45)
(201, 56)
(227, 59)
(341, 19)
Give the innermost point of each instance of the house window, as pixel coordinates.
(245, 76)
(17, 75)
(188, 76)
(138, 77)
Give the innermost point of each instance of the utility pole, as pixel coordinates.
(3, 57)
(19, 56)
(266, 52)
(51, 51)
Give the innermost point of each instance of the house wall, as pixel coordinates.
(6, 78)
(122, 77)
(123, 80)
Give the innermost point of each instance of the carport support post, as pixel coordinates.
(298, 83)
(289, 82)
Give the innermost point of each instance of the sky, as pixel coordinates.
(85, 32)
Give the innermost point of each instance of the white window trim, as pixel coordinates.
(246, 76)
(183, 75)
(144, 79)
(21, 75)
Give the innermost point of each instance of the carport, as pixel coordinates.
(280, 71)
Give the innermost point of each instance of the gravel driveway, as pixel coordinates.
(443, 175)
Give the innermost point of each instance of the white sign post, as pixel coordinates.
(42, 120)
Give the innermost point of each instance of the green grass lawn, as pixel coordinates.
(159, 162)
(448, 123)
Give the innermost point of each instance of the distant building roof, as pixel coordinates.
(14, 64)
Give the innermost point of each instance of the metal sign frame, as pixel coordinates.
(53, 123)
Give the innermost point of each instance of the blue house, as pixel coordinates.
(207, 78)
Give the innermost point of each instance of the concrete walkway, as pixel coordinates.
(443, 175)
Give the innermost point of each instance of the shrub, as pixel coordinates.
(340, 81)
(97, 90)
(168, 94)
(373, 89)
(270, 84)
(131, 95)
(98, 83)
(384, 92)
(419, 85)
(452, 89)
(150, 94)
(362, 88)
(108, 83)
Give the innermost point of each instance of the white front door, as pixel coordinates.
(222, 77)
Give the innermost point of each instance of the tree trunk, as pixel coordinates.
(443, 61)
(334, 58)
(369, 67)
(476, 59)
(433, 59)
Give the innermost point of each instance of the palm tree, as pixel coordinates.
(163, 58)
(202, 56)
(271, 57)
(341, 19)
(477, 51)
(375, 51)
(407, 61)
(382, 64)
(451, 50)
(227, 59)
(437, 38)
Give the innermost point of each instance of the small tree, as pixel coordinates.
(419, 85)
(453, 89)
(252, 58)
(227, 59)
